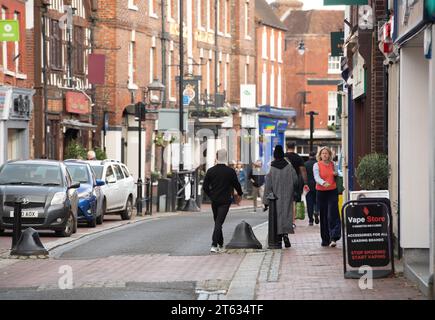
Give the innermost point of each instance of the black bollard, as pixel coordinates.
(16, 234)
(274, 240)
(148, 185)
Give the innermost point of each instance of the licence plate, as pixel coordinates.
(27, 214)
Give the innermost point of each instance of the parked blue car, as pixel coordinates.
(90, 194)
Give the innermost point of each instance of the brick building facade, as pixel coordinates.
(312, 76)
(64, 107)
(16, 82)
(130, 34)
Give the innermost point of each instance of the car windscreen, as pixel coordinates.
(30, 174)
(79, 173)
(98, 170)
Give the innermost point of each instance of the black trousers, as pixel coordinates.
(312, 204)
(220, 212)
(330, 224)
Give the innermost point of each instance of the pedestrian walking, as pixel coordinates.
(241, 174)
(313, 213)
(219, 184)
(257, 178)
(298, 164)
(325, 173)
(281, 181)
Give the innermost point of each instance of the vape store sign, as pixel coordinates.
(367, 233)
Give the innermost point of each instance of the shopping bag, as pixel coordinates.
(300, 210)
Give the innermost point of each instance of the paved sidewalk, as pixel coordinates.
(310, 272)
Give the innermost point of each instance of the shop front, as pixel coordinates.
(273, 123)
(15, 111)
(414, 36)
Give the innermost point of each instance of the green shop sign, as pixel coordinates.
(9, 30)
(430, 8)
(344, 2)
(337, 43)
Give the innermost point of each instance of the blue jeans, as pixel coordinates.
(330, 224)
(312, 204)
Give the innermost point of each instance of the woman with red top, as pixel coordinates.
(327, 198)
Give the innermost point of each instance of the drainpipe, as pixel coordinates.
(44, 7)
(216, 55)
(164, 66)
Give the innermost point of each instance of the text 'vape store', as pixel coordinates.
(15, 112)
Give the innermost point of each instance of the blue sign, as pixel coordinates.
(186, 100)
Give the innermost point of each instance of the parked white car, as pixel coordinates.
(120, 189)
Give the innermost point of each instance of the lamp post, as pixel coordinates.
(312, 114)
(153, 97)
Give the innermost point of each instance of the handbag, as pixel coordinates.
(300, 210)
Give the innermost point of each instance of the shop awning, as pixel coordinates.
(75, 124)
(305, 134)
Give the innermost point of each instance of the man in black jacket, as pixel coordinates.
(219, 184)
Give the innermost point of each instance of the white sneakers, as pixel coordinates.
(214, 250)
(217, 249)
(333, 244)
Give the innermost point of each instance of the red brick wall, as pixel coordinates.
(299, 69)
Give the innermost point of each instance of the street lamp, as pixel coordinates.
(312, 114)
(153, 94)
(301, 48)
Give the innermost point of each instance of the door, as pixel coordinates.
(112, 189)
(122, 193)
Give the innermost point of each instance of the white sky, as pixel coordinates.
(317, 4)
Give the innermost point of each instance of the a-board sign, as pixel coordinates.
(367, 230)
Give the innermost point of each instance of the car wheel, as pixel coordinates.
(100, 219)
(69, 227)
(93, 222)
(128, 212)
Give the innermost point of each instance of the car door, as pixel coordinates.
(123, 192)
(129, 182)
(112, 189)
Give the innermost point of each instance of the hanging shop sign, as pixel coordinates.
(367, 231)
(190, 90)
(77, 102)
(337, 43)
(9, 30)
(248, 96)
(410, 17)
(385, 37)
(359, 76)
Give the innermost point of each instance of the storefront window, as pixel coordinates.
(15, 143)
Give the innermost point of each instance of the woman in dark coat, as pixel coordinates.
(281, 181)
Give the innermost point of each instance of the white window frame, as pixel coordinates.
(272, 45)
(131, 70)
(332, 106)
(264, 85)
(247, 36)
(272, 86)
(280, 47)
(132, 5)
(279, 84)
(264, 43)
(334, 65)
(151, 9)
(4, 45)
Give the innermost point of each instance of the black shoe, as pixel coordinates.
(317, 219)
(325, 244)
(311, 224)
(286, 241)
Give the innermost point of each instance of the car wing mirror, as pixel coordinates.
(75, 185)
(99, 183)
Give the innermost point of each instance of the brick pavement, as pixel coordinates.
(311, 272)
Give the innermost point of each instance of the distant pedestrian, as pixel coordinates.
(313, 213)
(241, 174)
(219, 184)
(281, 181)
(298, 164)
(91, 155)
(325, 173)
(257, 178)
